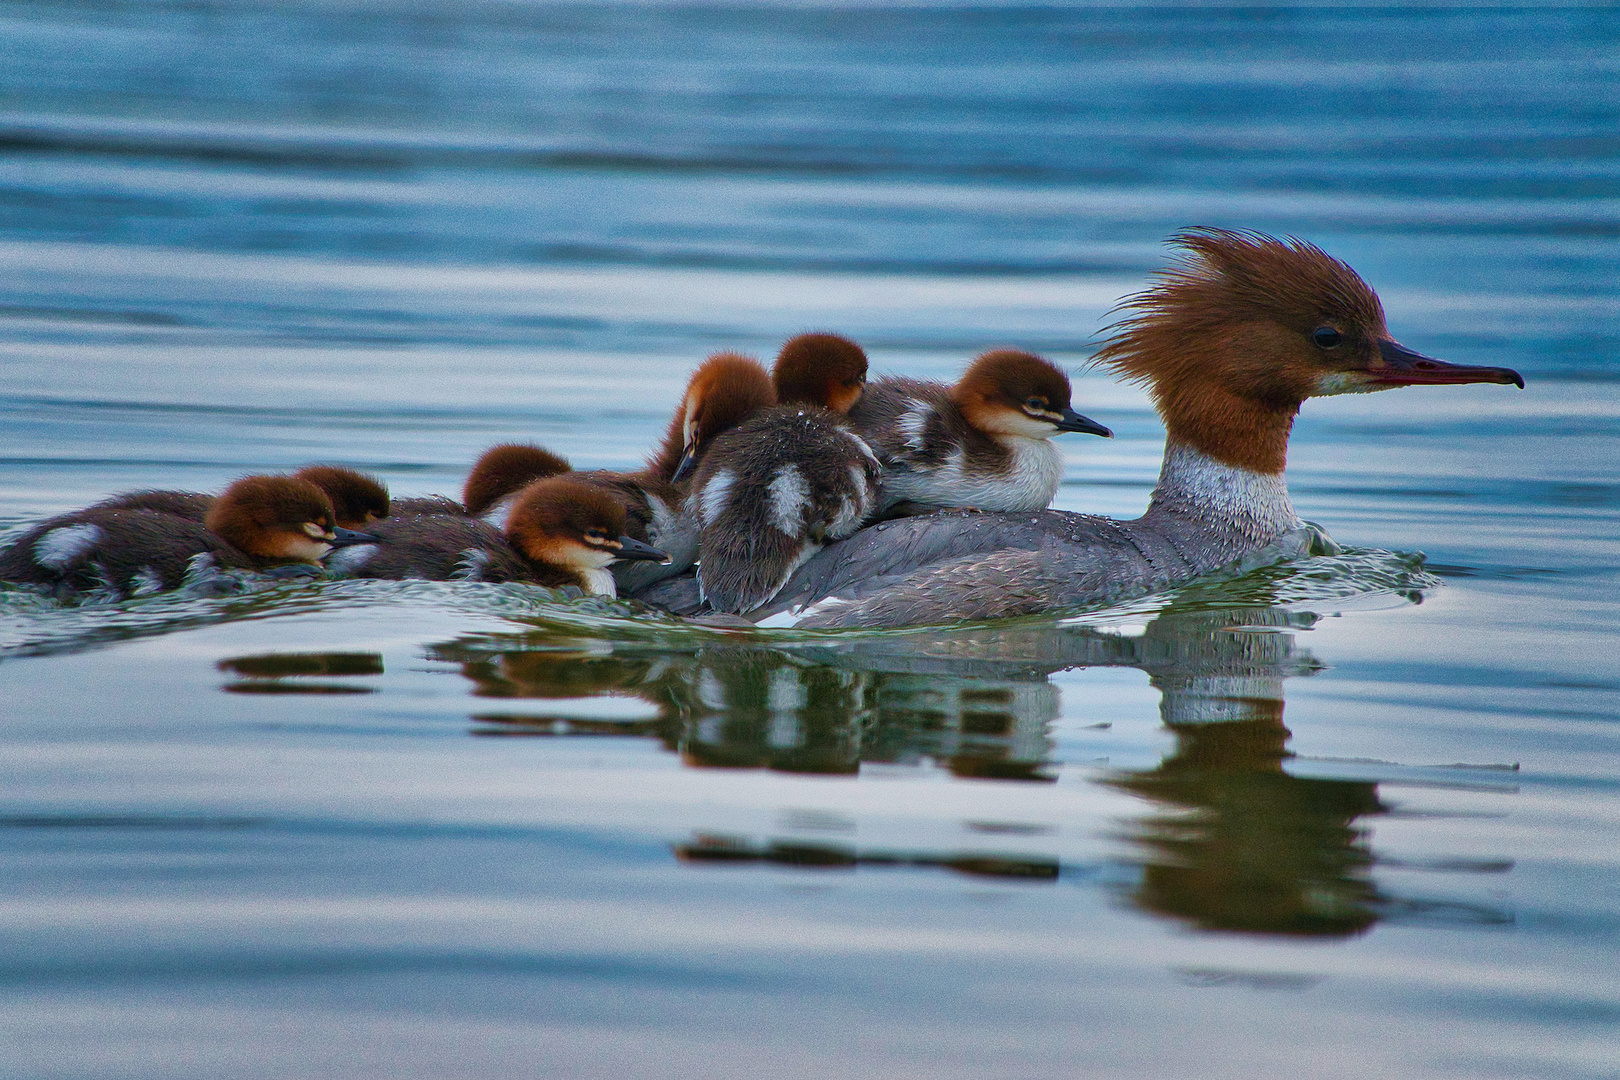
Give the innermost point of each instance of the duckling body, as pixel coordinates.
(190, 505)
(442, 546)
(984, 443)
(257, 523)
(113, 552)
(771, 492)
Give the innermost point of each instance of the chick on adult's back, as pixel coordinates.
(984, 443)
(772, 491)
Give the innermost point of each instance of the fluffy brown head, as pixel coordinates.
(566, 523)
(1012, 393)
(274, 518)
(506, 468)
(725, 390)
(357, 499)
(820, 369)
(1232, 340)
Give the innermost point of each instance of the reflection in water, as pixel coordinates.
(750, 708)
(1238, 844)
(707, 848)
(287, 673)
(1233, 842)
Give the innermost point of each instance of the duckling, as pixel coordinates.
(985, 443)
(258, 522)
(502, 471)
(724, 391)
(651, 504)
(559, 532)
(770, 492)
(572, 531)
(358, 499)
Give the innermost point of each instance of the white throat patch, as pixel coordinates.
(599, 582)
(1256, 504)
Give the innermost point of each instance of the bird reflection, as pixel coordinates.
(1232, 841)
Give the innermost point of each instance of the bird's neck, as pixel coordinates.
(1222, 498)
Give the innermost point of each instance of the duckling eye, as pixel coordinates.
(596, 536)
(1036, 404)
(1325, 337)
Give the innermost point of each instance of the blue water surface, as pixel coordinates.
(1352, 817)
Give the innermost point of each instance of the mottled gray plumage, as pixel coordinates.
(957, 565)
(946, 567)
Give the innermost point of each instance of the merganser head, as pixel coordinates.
(357, 499)
(724, 391)
(820, 369)
(1007, 392)
(504, 469)
(574, 526)
(279, 519)
(1232, 341)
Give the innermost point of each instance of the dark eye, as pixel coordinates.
(1325, 337)
(597, 535)
(1036, 404)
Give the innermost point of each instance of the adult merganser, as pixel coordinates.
(1229, 343)
(560, 532)
(769, 493)
(984, 443)
(258, 522)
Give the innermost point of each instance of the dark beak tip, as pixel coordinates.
(633, 550)
(684, 466)
(342, 537)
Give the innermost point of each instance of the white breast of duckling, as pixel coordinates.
(599, 582)
(1028, 480)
